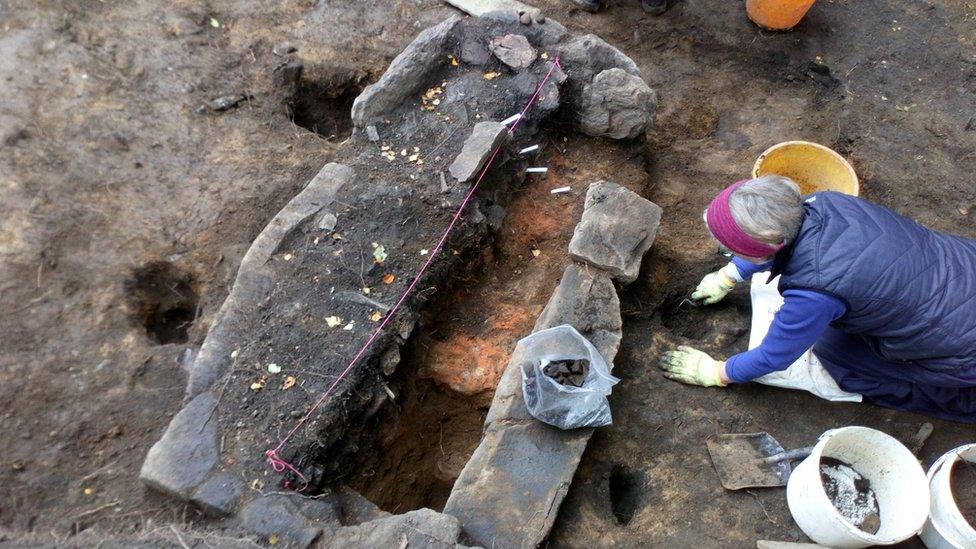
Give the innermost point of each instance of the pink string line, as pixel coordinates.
(280, 465)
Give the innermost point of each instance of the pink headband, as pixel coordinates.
(720, 222)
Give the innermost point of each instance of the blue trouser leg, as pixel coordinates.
(900, 385)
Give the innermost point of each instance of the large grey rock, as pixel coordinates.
(585, 299)
(484, 138)
(406, 74)
(514, 50)
(616, 104)
(280, 517)
(219, 494)
(253, 279)
(509, 492)
(617, 228)
(585, 56)
(420, 528)
(186, 454)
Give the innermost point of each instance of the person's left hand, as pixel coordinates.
(693, 367)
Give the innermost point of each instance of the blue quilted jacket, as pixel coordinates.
(910, 291)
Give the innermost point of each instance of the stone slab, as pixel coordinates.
(187, 452)
(509, 492)
(219, 494)
(477, 8)
(616, 104)
(279, 517)
(618, 226)
(485, 137)
(253, 279)
(420, 528)
(408, 71)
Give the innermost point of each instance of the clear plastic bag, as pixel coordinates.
(565, 406)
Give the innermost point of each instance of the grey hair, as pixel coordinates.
(768, 208)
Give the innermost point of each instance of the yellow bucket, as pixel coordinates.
(813, 167)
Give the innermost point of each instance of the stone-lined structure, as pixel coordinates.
(331, 263)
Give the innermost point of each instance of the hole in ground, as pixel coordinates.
(424, 445)
(323, 106)
(684, 317)
(625, 493)
(165, 301)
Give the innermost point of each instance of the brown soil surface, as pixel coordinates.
(109, 167)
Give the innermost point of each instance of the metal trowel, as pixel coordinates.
(752, 460)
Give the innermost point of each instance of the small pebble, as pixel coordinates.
(373, 135)
(525, 19)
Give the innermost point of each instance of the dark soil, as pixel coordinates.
(963, 483)
(165, 301)
(568, 372)
(851, 494)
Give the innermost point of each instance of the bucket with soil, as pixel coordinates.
(952, 483)
(565, 381)
(859, 487)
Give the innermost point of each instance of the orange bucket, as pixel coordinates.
(777, 14)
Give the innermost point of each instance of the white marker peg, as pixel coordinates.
(511, 119)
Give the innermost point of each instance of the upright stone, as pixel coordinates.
(477, 149)
(616, 104)
(510, 490)
(617, 228)
(184, 457)
(406, 73)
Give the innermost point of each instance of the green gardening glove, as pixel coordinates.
(713, 288)
(693, 367)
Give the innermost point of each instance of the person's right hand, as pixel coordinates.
(713, 288)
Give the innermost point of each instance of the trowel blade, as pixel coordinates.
(738, 460)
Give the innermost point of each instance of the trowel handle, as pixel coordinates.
(790, 455)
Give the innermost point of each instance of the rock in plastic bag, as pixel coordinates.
(565, 406)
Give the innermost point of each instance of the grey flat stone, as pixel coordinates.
(219, 494)
(617, 228)
(420, 528)
(187, 453)
(406, 73)
(585, 299)
(253, 278)
(616, 104)
(478, 8)
(509, 492)
(279, 516)
(514, 50)
(484, 138)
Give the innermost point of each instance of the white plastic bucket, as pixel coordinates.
(896, 477)
(946, 528)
